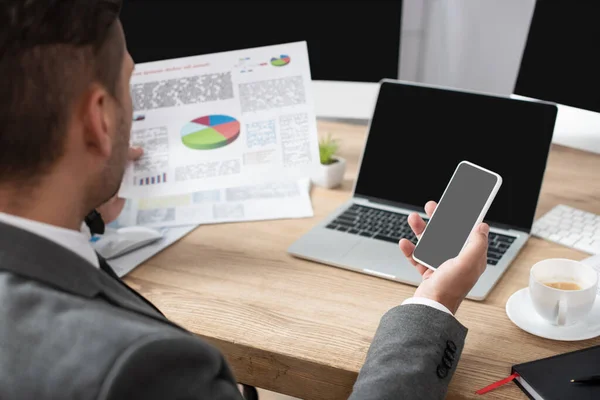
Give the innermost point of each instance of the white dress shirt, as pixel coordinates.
(75, 241)
(427, 302)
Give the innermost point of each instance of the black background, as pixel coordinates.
(347, 40)
(561, 62)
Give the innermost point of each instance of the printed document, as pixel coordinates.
(128, 262)
(222, 120)
(266, 201)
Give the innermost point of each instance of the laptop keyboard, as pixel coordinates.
(391, 227)
(374, 223)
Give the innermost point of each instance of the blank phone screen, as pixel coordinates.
(456, 215)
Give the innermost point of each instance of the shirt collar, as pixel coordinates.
(72, 240)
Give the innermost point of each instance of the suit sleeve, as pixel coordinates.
(413, 355)
(181, 367)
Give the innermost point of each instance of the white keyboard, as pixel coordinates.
(571, 227)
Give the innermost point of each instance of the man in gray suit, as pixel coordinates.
(69, 327)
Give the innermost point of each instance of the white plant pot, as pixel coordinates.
(330, 176)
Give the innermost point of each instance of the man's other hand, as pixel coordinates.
(455, 278)
(111, 209)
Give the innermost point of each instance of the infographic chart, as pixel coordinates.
(280, 61)
(210, 132)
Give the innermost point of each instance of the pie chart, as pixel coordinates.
(280, 61)
(210, 132)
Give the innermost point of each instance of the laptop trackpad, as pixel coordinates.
(383, 258)
(324, 245)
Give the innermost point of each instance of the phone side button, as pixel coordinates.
(371, 272)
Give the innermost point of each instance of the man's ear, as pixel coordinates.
(98, 121)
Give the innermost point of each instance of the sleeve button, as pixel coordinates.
(451, 345)
(447, 362)
(442, 372)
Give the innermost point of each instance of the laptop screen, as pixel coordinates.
(418, 135)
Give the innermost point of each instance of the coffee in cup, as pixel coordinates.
(563, 285)
(562, 291)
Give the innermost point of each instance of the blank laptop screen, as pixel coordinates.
(418, 135)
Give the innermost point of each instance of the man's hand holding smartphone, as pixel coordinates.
(454, 279)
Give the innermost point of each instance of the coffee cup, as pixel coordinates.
(562, 291)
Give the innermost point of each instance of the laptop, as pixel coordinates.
(417, 135)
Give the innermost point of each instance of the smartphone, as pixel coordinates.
(463, 206)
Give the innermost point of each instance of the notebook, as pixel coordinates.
(550, 378)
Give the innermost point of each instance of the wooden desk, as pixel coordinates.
(303, 328)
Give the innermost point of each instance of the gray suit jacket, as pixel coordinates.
(71, 331)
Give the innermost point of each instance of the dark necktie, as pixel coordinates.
(104, 266)
(108, 269)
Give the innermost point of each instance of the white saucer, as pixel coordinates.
(521, 312)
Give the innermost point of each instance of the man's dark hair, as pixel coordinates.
(51, 51)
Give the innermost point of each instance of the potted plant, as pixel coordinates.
(330, 173)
